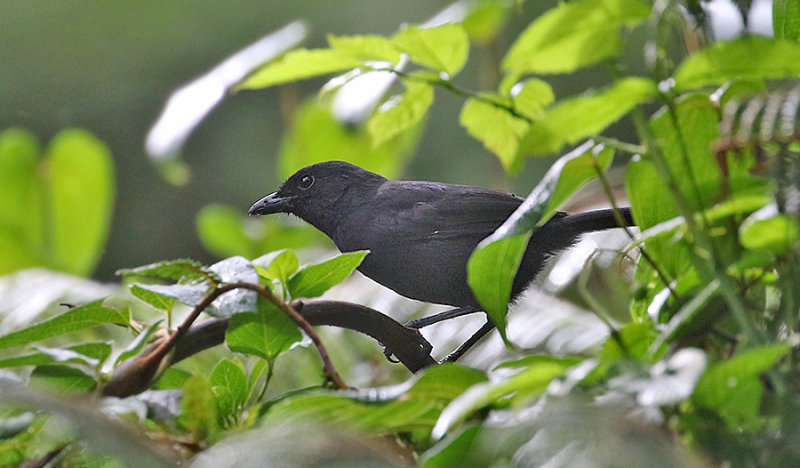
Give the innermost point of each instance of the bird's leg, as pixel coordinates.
(486, 328)
(447, 314)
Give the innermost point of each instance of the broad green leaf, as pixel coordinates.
(81, 177)
(499, 131)
(94, 351)
(400, 112)
(63, 380)
(11, 426)
(493, 264)
(21, 212)
(530, 381)
(229, 386)
(314, 280)
(733, 387)
(443, 48)
(267, 333)
(369, 47)
(415, 409)
(486, 19)
(573, 35)
(181, 269)
(198, 411)
(531, 97)
(579, 117)
(317, 136)
(158, 301)
(748, 58)
(300, 64)
(786, 19)
(777, 233)
(454, 450)
(86, 316)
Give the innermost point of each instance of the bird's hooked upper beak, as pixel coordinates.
(272, 203)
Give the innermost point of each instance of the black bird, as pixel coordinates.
(420, 234)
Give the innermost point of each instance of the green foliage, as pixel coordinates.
(56, 208)
(700, 337)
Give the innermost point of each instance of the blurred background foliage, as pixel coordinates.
(109, 68)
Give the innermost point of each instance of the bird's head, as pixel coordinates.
(313, 192)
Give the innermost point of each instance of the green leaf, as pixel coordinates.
(81, 177)
(21, 212)
(531, 97)
(777, 233)
(317, 136)
(222, 229)
(158, 301)
(493, 264)
(573, 35)
(499, 131)
(579, 117)
(443, 48)
(531, 381)
(86, 316)
(733, 388)
(369, 47)
(181, 269)
(279, 265)
(93, 351)
(300, 64)
(786, 19)
(415, 409)
(267, 333)
(748, 58)
(63, 380)
(229, 386)
(314, 280)
(198, 410)
(400, 112)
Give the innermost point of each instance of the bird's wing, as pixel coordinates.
(439, 211)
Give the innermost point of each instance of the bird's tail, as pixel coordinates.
(596, 220)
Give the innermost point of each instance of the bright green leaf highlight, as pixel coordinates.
(279, 265)
(499, 131)
(301, 64)
(314, 280)
(370, 47)
(573, 35)
(267, 333)
(777, 234)
(81, 176)
(579, 117)
(532, 97)
(748, 58)
(158, 301)
(443, 48)
(733, 387)
(86, 316)
(493, 265)
(786, 19)
(400, 112)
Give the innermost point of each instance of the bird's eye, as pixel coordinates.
(306, 182)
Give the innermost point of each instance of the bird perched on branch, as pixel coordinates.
(420, 234)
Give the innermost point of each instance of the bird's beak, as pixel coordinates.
(272, 203)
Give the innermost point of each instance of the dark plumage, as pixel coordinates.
(420, 234)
